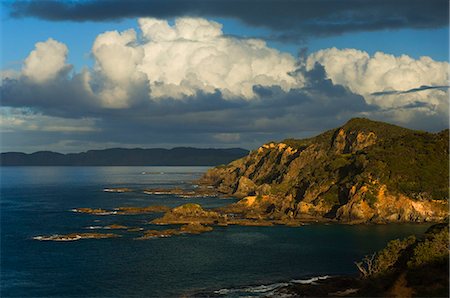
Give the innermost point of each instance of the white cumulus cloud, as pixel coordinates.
(46, 61)
(117, 58)
(365, 74)
(189, 57)
(395, 84)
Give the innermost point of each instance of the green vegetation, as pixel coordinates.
(370, 198)
(415, 164)
(418, 266)
(411, 162)
(331, 197)
(433, 249)
(383, 262)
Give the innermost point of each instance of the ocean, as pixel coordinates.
(230, 261)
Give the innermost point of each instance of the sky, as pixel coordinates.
(81, 75)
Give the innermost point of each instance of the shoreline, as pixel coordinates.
(307, 286)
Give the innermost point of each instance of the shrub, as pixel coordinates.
(432, 249)
(384, 261)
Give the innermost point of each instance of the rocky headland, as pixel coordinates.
(362, 172)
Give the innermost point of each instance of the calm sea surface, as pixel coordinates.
(37, 201)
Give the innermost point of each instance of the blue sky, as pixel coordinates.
(190, 86)
(20, 35)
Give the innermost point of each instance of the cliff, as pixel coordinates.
(364, 171)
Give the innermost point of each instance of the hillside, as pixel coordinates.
(416, 266)
(181, 156)
(364, 171)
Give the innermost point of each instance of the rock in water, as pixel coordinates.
(189, 213)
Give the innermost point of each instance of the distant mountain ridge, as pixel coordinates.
(179, 156)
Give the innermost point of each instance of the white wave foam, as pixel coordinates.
(265, 288)
(56, 237)
(260, 289)
(311, 280)
(269, 289)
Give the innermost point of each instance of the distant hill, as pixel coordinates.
(180, 156)
(362, 171)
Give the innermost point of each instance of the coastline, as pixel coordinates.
(410, 267)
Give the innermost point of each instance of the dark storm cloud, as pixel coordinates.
(62, 97)
(195, 121)
(288, 19)
(421, 88)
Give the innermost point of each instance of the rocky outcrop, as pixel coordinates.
(116, 227)
(191, 228)
(199, 192)
(189, 214)
(389, 207)
(352, 141)
(123, 210)
(364, 171)
(152, 234)
(75, 236)
(195, 228)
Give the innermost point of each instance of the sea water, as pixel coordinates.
(227, 261)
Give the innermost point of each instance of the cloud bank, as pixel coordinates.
(289, 20)
(192, 55)
(189, 84)
(387, 81)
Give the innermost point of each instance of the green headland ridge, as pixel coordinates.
(363, 171)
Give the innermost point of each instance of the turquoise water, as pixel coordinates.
(37, 201)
